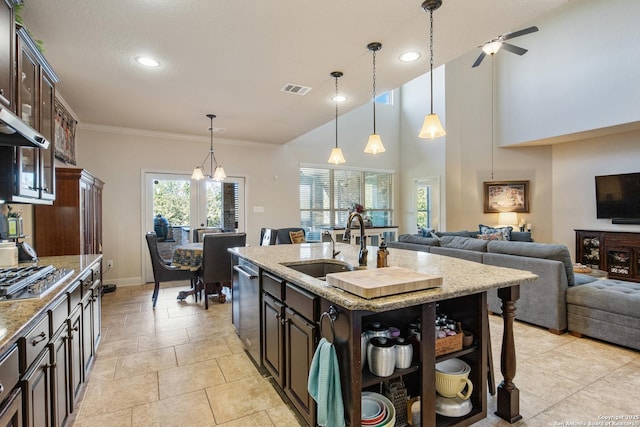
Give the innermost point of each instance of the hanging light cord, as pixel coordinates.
(211, 155)
(492, 119)
(336, 100)
(374, 91)
(431, 55)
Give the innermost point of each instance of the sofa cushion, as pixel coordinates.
(615, 296)
(521, 236)
(463, 233)
(536, 250)
(466, 243)
(506, 231)
(412, 238)
(583, 279)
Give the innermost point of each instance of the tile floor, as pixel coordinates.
(180, 365)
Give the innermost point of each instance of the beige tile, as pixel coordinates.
(129, 307)
(120, 418)
(241, 398)
(188, 378)
(147, 361)
(544, 382)
(113, 320)
(173, 323)
(162, 339)
(258, 419)
(123, 332)
(104, 397)
(190, 409)
(282, 416)
(200, 351)
(120, 347)
(103, 368)
(236, 366)
(147, 316)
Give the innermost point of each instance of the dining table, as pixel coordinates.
(189, 257)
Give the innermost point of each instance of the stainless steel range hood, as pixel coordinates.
(15, 132)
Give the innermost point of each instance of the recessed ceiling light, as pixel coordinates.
(339, 98)
(147, 61)
(409, 56)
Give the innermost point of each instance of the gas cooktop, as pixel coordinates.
(32, 281)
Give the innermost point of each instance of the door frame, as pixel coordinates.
(146, 209)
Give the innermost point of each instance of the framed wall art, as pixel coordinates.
(506, 196)
(65, 134)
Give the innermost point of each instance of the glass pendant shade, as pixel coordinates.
(374, 145)
(492, 48)
(219, 174)
(431, 127)
(197, 174)
(336, 156)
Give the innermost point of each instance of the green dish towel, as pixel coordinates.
(324, 385)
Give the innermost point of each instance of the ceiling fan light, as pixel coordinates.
(197, 174)
(336, 156)
(492, 48)
(374, 145)
(431, 127)
(219, 174)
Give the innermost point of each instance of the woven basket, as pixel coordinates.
(449, 344)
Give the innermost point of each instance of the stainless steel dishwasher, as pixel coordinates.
(246, 306)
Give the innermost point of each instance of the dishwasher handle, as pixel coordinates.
(246, 271)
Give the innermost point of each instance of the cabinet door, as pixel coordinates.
(96, 314)
(37, 386)
(60, 376)
(272, 337)
(300, 338)
(47, 173)
(76, 363)
(87, 331)
(7, 36)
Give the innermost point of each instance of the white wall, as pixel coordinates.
(118, 159)
(575, 165)
(580, 73)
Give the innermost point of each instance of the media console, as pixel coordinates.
(617, 253)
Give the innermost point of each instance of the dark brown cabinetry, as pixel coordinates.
(7, 53)
(27, 174)
(73, 224)
(38, 391)
(289, 339)
(617, 253)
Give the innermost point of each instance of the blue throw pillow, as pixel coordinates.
(505, 231)
(424, 231)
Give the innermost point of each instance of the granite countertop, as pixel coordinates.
(18, 316)
(460, 277)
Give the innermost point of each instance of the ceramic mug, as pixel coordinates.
(452, 385)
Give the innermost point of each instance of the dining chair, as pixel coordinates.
(216, 270)
(268, 236)
(163, 271)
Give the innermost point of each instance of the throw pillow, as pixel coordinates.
(506, 231)
(424, 232)
(491, 236)
(296, 236)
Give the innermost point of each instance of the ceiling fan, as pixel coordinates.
(493, 46)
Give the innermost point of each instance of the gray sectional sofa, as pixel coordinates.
(559, 299)
(541, 302)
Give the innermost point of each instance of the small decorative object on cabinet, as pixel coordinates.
(73, 225)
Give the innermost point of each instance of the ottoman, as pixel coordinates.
(606, 309)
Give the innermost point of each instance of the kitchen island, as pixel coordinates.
(463, 294)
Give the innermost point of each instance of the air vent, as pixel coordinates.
(296, 89)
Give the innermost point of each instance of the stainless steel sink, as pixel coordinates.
(319, 268)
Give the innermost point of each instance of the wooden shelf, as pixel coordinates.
(368, 379)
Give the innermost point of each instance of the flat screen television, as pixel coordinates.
(618, 196)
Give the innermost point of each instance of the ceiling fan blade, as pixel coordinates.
(514, 49)
(520, 33)
(479, 60)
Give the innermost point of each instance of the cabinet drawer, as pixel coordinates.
(273, 285)
(58, 314)
(9, 372)
(34, 342)
(303, 302)
(87, 283)
(75, 296)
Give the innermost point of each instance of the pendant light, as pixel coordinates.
(431, 128)
(336, 156)
(216, 174)
(374, 144)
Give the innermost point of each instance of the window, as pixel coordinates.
(327, 196)
(423, 205)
